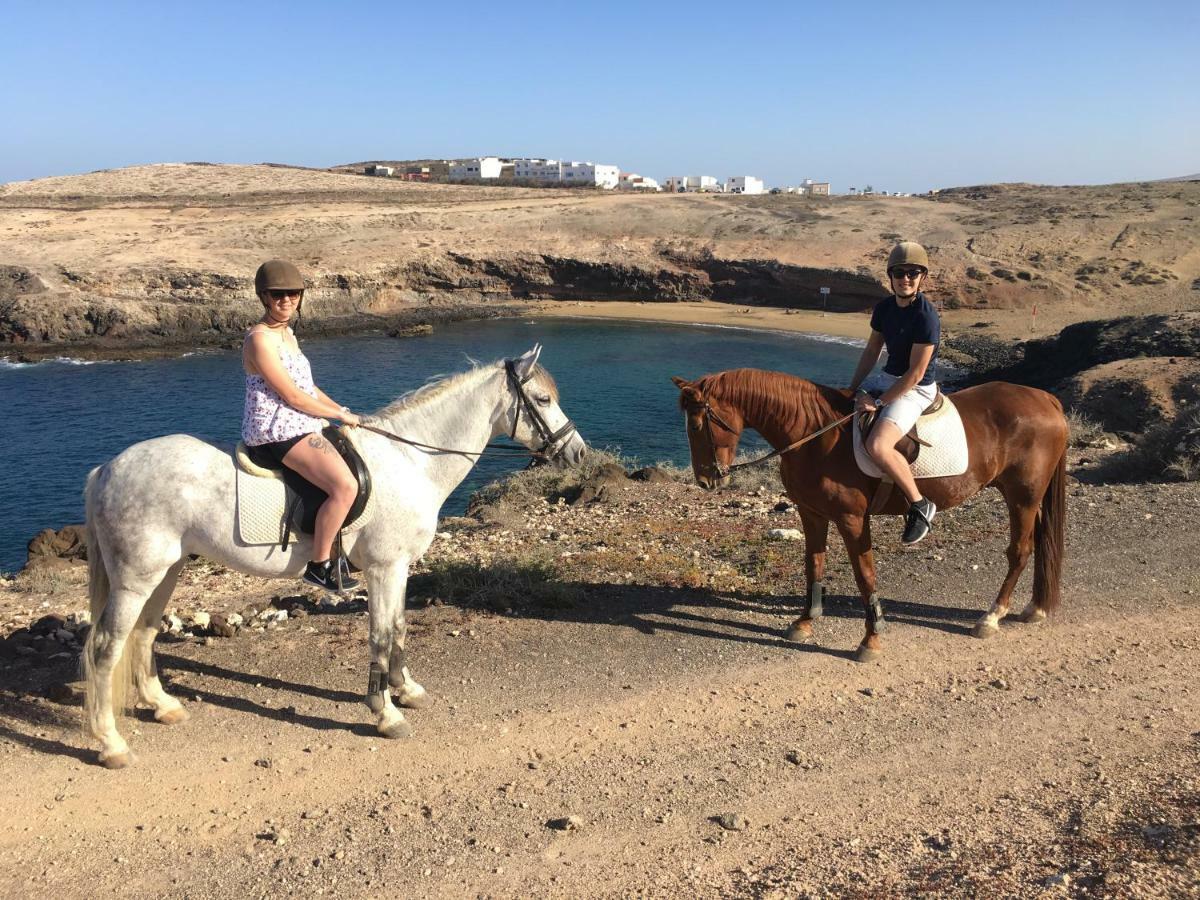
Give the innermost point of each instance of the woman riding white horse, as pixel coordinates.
(163, 499)
(285, 412)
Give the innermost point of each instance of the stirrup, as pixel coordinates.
(325, 575)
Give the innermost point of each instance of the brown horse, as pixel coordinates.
(1016, 439)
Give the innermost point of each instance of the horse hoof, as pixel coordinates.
(176, 716)
(416, 701)
(800, 631)
(867, 654)
(1033, 615)
(116, 760)
(985, 630)
(397, 730)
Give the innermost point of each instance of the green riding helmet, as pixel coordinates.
(278, 275)
(908, 253)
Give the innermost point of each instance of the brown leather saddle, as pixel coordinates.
(909, 446)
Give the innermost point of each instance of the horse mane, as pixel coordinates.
(793, 402)
(438, 385)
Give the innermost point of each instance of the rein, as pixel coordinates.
(710, 415)
(549, 438)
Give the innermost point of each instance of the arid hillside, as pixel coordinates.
(166, 253)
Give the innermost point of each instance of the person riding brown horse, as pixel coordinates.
(1017, 440)
(908, 325)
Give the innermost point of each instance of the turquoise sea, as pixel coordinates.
(65, 417)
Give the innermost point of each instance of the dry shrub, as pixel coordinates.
(544, 482)
(1085, 432)
(1180, 442)
(500, 586)
(50, 579)
(761, 477)
(548, 482)
(1168, 451)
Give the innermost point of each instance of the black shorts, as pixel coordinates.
(270, 456)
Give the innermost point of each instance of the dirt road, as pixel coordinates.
(1060, 757)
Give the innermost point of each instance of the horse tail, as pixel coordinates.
(99, 586)
(1048, 540)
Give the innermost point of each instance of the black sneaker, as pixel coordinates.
(324, 575)
(918, 521)
(348, 568)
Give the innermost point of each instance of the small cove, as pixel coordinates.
(613, 377)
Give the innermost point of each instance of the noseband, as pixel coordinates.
(549, 437)
(710, 416)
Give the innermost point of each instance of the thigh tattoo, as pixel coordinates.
(319, 443)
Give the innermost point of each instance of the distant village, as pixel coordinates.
(553, 172)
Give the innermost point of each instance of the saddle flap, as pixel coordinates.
(273, 502)
(941, 450)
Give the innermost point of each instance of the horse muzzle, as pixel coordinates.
(712, 482)
(574, 450)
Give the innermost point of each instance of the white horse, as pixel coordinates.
(163, 499)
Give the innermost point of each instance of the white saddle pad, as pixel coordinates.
(947, 455)
(263, 501)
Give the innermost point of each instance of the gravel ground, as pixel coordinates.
(618, 715)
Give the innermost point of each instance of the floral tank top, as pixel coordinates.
(267, 418)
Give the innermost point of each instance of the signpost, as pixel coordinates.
(824, 299)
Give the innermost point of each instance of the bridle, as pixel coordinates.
(549, 437)
(517, 383)
(710, 416)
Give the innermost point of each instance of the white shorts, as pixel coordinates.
(902, 412)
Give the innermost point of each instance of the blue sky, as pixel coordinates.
(903, 96)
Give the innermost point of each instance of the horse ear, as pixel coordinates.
(528, 360)
(687, 393)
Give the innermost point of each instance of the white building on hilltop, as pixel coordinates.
(537, 169)
(633, 182)
(475, 169)
(813, 188)
(591, 173)
(744, 184)
(693, 184)
(552, 171)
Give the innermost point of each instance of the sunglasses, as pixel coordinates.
(912, 274)
(283, 295)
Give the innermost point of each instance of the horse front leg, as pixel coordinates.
(816, 539)
(385, 600)
(406, 689)
(856, 532)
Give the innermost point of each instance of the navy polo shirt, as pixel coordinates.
(903, 326)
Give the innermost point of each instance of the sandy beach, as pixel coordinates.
(842, 325)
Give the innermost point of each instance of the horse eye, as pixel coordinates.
(543, 399)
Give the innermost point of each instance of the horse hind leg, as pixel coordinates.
(1021, 520)
(107, 671)
(167, 709)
